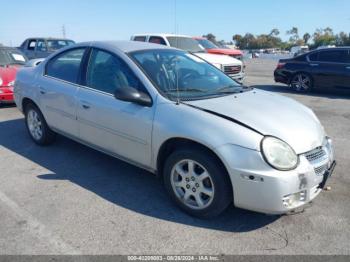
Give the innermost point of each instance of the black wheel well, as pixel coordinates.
(25, 102)
(173, 144)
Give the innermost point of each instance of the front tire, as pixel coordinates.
(37, 126)
(197, 182)
(301, 82)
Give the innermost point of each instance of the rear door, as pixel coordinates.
(328, 67)
(58, 90)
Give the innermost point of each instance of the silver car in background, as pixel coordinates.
(212, 140)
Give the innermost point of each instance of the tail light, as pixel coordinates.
(280, 65)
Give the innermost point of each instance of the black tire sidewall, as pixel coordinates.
(223, 189)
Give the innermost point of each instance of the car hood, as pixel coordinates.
(270, 114)
(219, 59)
(225, 51)
(8, 74)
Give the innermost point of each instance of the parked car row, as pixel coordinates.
(228, 64)
(213, 141)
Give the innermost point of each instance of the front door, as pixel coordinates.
(109, 124)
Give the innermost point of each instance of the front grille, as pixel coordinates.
(232, 69)
(319, 159)
(315, 154)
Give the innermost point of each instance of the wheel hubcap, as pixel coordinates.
(301, 82)
(192, 184)
(34, 124)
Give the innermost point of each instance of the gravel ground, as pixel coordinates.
(69, 199)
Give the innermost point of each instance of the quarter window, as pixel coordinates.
(66, 66)
(140, 38)
(106, 73)
(313, 56)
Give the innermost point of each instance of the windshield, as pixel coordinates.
(181, 75)
(185, 43)
(206, 44)
(57, 44)
(11, 57)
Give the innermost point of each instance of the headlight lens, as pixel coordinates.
(278, 154)
(1, 81)
(12, 83)
(219, 66)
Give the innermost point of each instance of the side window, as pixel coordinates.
(313, 56)
(41, 46)
(140, 38)
(336, 56)
(157, 40)
(66, 65)
(31, 45)
(106, 73)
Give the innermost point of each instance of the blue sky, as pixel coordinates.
(118, 19)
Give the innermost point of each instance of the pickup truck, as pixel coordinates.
(43, 47)
(230, 66)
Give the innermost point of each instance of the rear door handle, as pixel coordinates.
(314, 64)
(42, 90)
(85, 104)
(348, 67)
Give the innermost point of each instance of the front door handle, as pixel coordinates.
(348, 67)
(314, 64)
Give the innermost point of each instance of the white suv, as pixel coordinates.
(229, 65)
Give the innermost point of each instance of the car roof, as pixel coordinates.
(49, 38)
(161, 35)
(124, 46)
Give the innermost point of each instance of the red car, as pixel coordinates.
(11, 59)
(213, 49)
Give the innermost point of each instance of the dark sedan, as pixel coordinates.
(324, 68)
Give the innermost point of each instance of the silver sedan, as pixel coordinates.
(213, 141)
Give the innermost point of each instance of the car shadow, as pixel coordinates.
(326, 93)
(116, 181)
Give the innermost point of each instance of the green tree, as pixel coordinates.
(306, 37)
(324, 37)
(294, 35)
(211, 37)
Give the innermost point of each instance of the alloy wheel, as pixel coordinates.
(34, 124)
(301, 82)
(192, 184)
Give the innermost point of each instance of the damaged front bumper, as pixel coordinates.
(258, 187)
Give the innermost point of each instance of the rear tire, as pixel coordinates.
(197, 182)
(37, 126)
(301, 82)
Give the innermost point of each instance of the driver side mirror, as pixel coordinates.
(131, 94)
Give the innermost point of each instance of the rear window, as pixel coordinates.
(157, 40)
(58, 44)
(11, 56)
(185, 43)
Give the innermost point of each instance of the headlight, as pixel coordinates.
(278, 154)
(1, 81)
(12, 83)
(218, 66)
